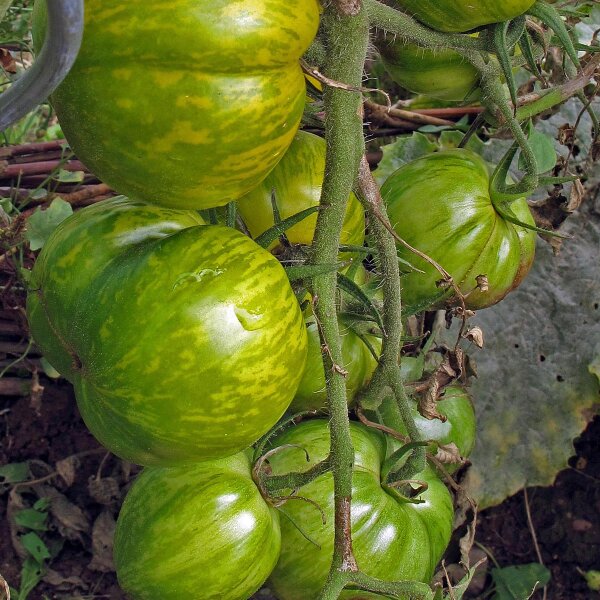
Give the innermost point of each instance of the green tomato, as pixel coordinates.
(463, 15)
(297, 182)
(460, 428)
(201, 531)
(184, 341)
(189, 103)
(442, 74)
(441, 205)
(358, 362)
(392, 539)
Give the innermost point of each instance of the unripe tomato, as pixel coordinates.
(188, 103)
(297, 182)
(463, 15)
(200, 531)
(184, 342)
(441, 205)
(358, 362)
(392, 539)
(442, 74)
(459, 428)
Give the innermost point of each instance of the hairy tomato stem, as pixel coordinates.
(347, 39)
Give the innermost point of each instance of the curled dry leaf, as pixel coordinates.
(4, 589)
(103, 534)
(482, 283)
(475, 335)
(104, 490)
(566, 135)
(449, 454)
(69, 519)
(66, 468)
(14, 505)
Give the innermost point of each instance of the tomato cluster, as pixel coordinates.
(185, 341)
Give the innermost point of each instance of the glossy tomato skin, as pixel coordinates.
(460, 428)
(463, 15)
(392, 539)
(184, 342)
(357, 361)
(442, 74)
(188, 103)
(200, 531)
(440, 204)
(297, 182)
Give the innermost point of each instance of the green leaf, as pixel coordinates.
(42, 504)
(458, 591)
(543, 148)
(42, 223)
(4, 6)
(35, 546)
(519, 582)
(14, 472)
(31, 519)
(535, 383)
(31, 574)
(64, 176)
(49, 370)
(452, 139)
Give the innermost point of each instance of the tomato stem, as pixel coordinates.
(347, 39)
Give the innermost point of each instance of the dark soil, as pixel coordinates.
(565, 516)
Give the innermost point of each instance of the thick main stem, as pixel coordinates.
(347, 38)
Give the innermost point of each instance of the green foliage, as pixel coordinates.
(543, 148)
(518, 582)
(42, 223)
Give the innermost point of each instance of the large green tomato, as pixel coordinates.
(201, 531)
(297, 182)
(442, 74)
(184, 342)
(188, 103)
(392, 539)
(358, 362)
(463, 15)
(441, 205)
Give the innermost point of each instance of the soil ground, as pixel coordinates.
(565, 515)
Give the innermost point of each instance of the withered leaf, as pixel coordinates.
(475, 335)
(104, 490)
(66, 468)
(56, 579)
(449, 454)
(103, 534)
(69, 519)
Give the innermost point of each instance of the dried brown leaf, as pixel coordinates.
(449, 454)
(14, 505)
(69, 519)
(102, 543)
(66, 468)
(104, 490)
(566, 135)
(475, 335)
(56, 579)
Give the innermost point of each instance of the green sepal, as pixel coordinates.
(390, 465)
(526, 46)
(352, 289)
(550, 16)
(500, 193)
(281, 226)
(499, 41)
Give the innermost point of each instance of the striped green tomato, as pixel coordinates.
(441, 205)
(189, 103)
(297, 182)
(184, 341)
(392, 539)
(463, 15)
(201, 531)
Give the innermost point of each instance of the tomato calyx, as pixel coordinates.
(403, 490)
